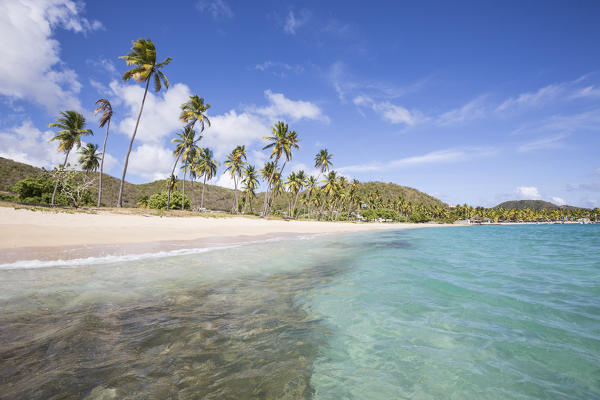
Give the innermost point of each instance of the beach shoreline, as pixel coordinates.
(49, 236)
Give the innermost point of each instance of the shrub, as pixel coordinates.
(37, 190)
(418, 217)
(158, 201)
(384, 213)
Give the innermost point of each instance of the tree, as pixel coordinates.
(143, 58)
(105, 107)
(235, 165)
(90, 158)
(250, 182)
(186, 148)
(193, 111)
(72, 126)
(323, 163)
(282, 142)
(296, 182)
(206, 167)
(330, 186)
(310, 184)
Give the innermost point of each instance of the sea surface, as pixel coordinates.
(485, 312)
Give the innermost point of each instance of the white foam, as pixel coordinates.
(108, 259)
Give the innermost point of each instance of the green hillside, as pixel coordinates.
(532, 204)
(216, 197)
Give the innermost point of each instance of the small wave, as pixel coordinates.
(77, 262)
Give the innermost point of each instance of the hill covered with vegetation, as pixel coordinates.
(536, 205)
(216, 197)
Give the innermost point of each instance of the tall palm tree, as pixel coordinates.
(250, 182)
(107, 113)
(323, 163)
(282, 142)
(311, 182)
(72, 126)
(206, 167)
(90, 158)
(235, 165)
(194, 110)
(143, 58)
(186, 148)
(267, 172)
(330, 187)
(300, 182)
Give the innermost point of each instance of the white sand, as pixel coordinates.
(25, 228)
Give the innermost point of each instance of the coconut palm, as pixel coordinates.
(311, 182)
(72, 126)
(235, 165)
(206, 167)
(107, 113)
(143, 58)
(299, 181)
(329, 188)
(250, 182)
(323, 163)
(282, 142)
(90, 158)
(186, 148)
(194, 110)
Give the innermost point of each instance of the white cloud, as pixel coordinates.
(151, 161)
(470, 111)
(528, 193)
(559, 201)
(160, 117)
(278, 68)
(532, 99)
(389, 112)
(586, 92)
(282, 107)
(29, 145)
(224, 180)
(231, 129)
(551, 142)
(293, 22)
(216, 8)
(31, 67)
(434, 157)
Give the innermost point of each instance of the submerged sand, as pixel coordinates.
(27, 234)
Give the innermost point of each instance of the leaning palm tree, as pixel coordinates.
(72, 126)
(250, 182)
(186, 148)
(194, 110)
(143, 58)
(206, 167)
(90, 158)
(235, 165)
(282, 142)
(107, 112)
(300, 182)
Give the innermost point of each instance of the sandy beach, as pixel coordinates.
(26, 234)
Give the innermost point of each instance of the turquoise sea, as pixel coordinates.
(485, 312)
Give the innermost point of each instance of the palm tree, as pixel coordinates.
(186, 147)
(235, 165)
(107, 112)
(311, 182)
(282, 142)
(297, 186)
(90, 159)
(330, 187)
(323, 163)
(143, 58)
(206, 167)
(193, 111)
(250, 182)
(267, 173)
(72, 126)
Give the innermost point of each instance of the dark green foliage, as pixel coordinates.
(419, 217)
(533, 204)
(384, 213)
(159, 201)
(37, 190)
(389, 192)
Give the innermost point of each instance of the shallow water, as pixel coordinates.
(460, 312)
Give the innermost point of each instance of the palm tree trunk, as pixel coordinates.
(102, 164)
(120, 199)
(295, 203)
(203, 187)
(234, 208)
(322, 206)
(56, 184)
(183, 189)
(269, 183)
(170, 186)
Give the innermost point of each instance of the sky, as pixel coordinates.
(472, 102)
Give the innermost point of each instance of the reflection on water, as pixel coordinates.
(200, 326)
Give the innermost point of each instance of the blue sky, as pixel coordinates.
(475, 102)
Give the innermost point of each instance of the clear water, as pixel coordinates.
(509, 312)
